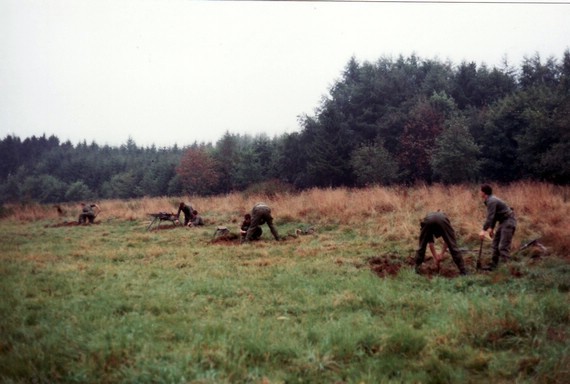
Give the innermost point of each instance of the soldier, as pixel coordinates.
(196, 219)
(88, 213)
(245, 226)
(187, 210)
(435, 225)
(260, 214)
(497, 212)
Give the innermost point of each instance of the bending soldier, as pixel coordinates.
(435, 225)
(88, 213)
(260, 214)
(187, 210)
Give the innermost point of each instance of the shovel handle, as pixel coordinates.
(479, 256)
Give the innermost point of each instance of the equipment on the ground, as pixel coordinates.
(162, 216)
(531, 243)
(222, 232)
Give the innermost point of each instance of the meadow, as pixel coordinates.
(113, 302)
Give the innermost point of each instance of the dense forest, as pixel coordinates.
(393, 121)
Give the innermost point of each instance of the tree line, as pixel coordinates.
(393, 121)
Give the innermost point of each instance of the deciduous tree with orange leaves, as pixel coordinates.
(197, 170)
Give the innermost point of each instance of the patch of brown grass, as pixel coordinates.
(391, 213)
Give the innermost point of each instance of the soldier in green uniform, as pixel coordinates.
(187, 210)
(435, 225)
(196, 219)
(497, 212)
(245, 226)
(88, 213)
(260, 214)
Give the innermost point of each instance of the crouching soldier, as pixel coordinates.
(245, 226)
(260, 214)
(88, 213)
(435, 225)
(196, 219)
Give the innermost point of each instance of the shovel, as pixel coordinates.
(479, 256)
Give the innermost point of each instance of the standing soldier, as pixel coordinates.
(497, 212)
(260, 214)
(435, 225)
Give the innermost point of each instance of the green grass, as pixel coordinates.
(113, 303)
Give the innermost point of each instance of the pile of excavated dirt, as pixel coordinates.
(390, 265)
(387, 265)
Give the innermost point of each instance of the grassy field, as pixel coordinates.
(112, 302)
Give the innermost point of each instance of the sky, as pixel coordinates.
(177, 72)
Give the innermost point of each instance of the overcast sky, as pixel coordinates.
(175, 72)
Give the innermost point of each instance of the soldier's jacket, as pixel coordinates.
(434, 225)
(497, 211)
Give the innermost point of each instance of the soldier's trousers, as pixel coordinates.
(448, 235)
(502, 240)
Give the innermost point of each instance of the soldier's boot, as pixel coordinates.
(461, 266)
(419, 261)
(494, 263)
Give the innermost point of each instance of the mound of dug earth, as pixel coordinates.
(386, 265)
(390, 265)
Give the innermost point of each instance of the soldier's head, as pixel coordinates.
(182, 205)
(485, 191)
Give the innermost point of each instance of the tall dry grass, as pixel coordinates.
(392, 212)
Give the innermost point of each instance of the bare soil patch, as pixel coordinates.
(391, 264)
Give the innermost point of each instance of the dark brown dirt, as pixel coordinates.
(390, 265)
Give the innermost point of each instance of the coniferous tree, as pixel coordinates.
(517, 118)
(454, 159)
(373, 164)
(226, 154)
